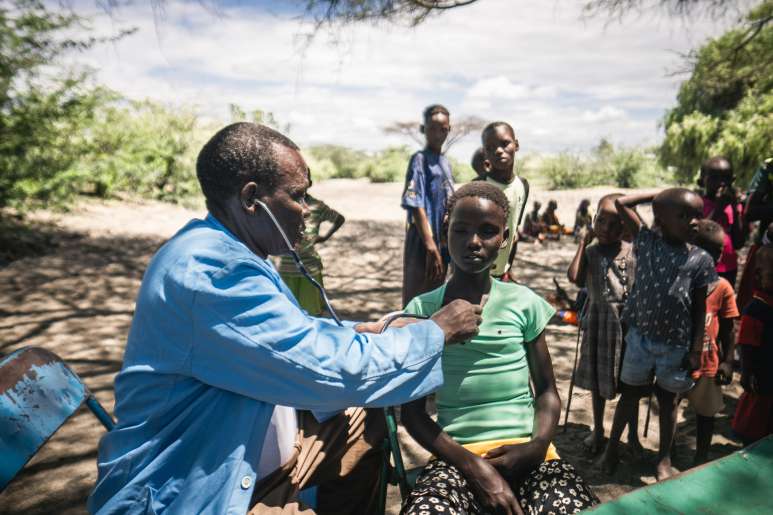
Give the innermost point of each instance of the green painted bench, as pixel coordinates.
(741, 482)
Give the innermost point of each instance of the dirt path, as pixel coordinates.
(78, 301)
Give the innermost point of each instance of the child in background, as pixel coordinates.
(550, 224)
(754, 414)
(305, 293)
(720, 203)
(665, 314)
(492, 440)
(607, 270)
(716, 366)
(478, 163)
(428, 184)
(500, 146)
(532, 226)
(582, 219)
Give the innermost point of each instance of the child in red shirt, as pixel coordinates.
(754, 414)
(716, 364)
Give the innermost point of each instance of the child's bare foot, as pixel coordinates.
(593, 443)
(636, 448)
(664, 470)
(608, 461)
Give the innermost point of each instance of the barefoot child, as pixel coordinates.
(500, 146)
(428, 184)
(492, 439)
(716, 366)
(754, 414)
(607, 270)
(665, 313)
(532, 226)
(306, 293)
(550, 224)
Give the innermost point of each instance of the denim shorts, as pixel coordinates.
(645, 357)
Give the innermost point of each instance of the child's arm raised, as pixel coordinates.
(625, 206)
(516, 460)
(337, 221)
(490, 487)
(576, 272)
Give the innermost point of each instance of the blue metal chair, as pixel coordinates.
(38, 393)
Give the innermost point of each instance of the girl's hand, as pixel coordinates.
(513, 461)
(490, 488)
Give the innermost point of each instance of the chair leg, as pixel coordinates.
(100, 412)
(397, 456)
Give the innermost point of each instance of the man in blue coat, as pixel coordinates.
(231, 398)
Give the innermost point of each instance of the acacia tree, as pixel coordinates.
(460, 128)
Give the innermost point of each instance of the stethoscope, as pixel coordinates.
(301, 268)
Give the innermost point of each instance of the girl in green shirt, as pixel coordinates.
(492, 440)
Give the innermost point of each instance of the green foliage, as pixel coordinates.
(335, 161)
(140, 147)
(461, 171)
(388, 165)
(607, 165)
(41, 114)
(726, 106)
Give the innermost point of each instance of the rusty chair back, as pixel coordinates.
(38, 393)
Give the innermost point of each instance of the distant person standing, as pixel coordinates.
(428, 184)
(500, 146)
(306, 293)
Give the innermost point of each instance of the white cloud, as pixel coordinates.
(605, 114)
(561, 82)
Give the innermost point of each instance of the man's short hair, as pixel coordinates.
(432, 110)
(236, 154)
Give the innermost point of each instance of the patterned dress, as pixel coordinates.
(608, 281)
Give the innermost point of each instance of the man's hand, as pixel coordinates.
(459, 320)
(724, 373)
(491, 489)
(434, 263)
(512, 461)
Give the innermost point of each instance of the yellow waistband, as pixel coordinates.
(481, 448)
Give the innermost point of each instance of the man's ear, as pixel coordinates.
(505, 238)
(247, 197)
(517, 145)
(486, 165)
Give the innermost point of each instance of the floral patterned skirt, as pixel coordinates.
(552, 487)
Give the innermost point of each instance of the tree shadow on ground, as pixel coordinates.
(76, 299)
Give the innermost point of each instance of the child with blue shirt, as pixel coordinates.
(665, 313)
(428, 184)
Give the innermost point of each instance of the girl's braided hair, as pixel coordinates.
(479, 189)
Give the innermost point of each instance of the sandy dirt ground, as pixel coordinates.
(78, 299)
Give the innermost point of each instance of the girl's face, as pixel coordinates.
(607, 225)
(476, 233)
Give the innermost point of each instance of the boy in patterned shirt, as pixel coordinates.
(665, 313)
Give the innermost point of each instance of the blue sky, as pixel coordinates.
(562, 81)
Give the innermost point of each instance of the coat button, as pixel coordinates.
(246, 482)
